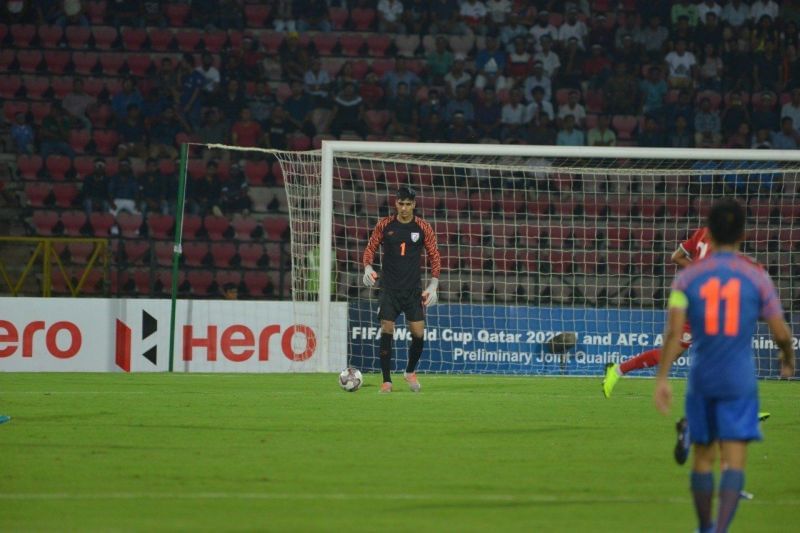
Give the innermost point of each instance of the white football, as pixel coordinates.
(350, 379)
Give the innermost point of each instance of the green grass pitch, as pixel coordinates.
(172, 452)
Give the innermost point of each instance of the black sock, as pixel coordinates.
(386, 356)
(414, 353)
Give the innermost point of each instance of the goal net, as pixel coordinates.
(555, 260)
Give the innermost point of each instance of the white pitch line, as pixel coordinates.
(488, 498)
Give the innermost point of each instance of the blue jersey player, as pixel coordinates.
(722, 297)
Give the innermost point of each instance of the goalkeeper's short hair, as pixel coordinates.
(562, 342)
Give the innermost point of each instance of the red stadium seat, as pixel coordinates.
(617, 237)
(256, 283)
(382, 66)
(79, 252)
(22, 35)
(325, 43)
(275, 255)
(84, 63)
(79, 139)
(7, 58)
(191, 225)
(29, 60)
(39, 110)
(250, 254)
(10, 86)
(194, 253)
(50, 36)
(362, 18)
(65, 194)
(101, 224)
(104, 37)
(277, 172)
(57, 167)
(163, 251)
(224, 277)
(160, 226)
(351, 44)
(256, 15)
(200, 281)
(625, 126)
(256, 171)
(36, 193)
(143, 281)
(133, 39)
(272, 42)
(299, 143)
(176, 14)
(139, 64)
(243, 228)
(96, 11)
(129, 224)
(44, 222)
(73, 222)
(36, 87)
(61, 87)
(11, 108)
(188, 40)
(57, 61)
(111, 63)
(106, 141)
(216, 227)
(222, 253)
(77, 36)
(214, 41)
(376, 120)
(377, 45)
(275, 227)
(161, 39)
(338, 17)
(29, 166)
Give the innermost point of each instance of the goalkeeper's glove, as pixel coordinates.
(370, 276)
(429, 295)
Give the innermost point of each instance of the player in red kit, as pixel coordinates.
(693, 249)
(403, 237)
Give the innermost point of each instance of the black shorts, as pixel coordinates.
(392, 302)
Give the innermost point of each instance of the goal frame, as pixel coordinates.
(332, 148)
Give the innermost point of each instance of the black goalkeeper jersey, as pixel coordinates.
(402, 251)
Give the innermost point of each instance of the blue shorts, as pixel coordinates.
(713, 419)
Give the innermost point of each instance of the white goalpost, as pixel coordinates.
(538, 243)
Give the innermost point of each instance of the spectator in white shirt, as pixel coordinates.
(457, 76)
(511, 31)
(573, 27)
(390, 14)
(540, 106)
(708, 6)
(791, 109)
(317, 81)
(472, 14)
(538, 79)
(498, 10)
(491, 77)
(574, 109)
(542, 28)
(682, 66)
(735, 13)
(763, 7)
(549, 59)
(513, 117)
(210, 73)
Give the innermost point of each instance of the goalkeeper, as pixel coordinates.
(403, 237)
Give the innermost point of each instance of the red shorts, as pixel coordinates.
(686, 337)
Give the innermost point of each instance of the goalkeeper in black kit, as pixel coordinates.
(403, 237)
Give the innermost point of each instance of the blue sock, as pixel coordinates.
(730, 485)
(702, 485)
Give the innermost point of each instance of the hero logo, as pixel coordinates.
(236, 343)
(62, 339)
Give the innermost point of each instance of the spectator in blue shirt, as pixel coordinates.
(23, 136)
(487, 116)
(192, 83)
(400, 74)
(123, 189)
(654, 89)
(132, 135)
(568, 135)
(492, 51)
(460, 104)
(787, 138)
(129, 95)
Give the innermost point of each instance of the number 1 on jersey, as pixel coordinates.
(402, 248)
(712, 292)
